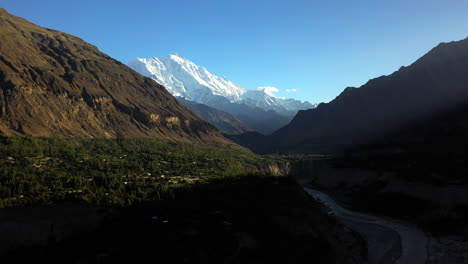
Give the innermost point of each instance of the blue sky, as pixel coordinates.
(315, 47)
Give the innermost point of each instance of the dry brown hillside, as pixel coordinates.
(55, 84)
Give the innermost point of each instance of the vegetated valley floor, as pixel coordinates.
(125, 201)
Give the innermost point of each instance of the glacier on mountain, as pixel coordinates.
(183, 78)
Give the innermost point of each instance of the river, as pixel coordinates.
(410, 247)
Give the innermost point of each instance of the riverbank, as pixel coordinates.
(383, 248)
(441, 249)
(375, 187)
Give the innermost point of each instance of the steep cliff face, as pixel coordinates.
(55, 84)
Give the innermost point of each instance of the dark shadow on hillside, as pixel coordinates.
(238, 220)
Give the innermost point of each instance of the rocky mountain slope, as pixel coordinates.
(435, 83)
(55, 84)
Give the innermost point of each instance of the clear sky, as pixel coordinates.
(316, 47)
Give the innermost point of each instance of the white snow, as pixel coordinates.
(268, 90)
(183, 78)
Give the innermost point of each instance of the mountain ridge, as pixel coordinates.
(55, 84)
(435, 83)
(225, 122)
(184, 78)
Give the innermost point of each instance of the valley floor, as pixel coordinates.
(236, 220)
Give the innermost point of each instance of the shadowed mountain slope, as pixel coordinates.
(435, 83)
(224, 121)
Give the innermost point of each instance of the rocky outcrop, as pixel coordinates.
(282, 168)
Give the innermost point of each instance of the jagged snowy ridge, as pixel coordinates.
(183, 78)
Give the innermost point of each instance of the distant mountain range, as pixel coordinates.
(258, 109)
(434, 84)
(225, 122)
(55, 84)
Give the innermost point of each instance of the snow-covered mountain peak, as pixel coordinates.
(268, 90)
(178, 58)
(155, 69)
(201, 80)
(186, 79)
